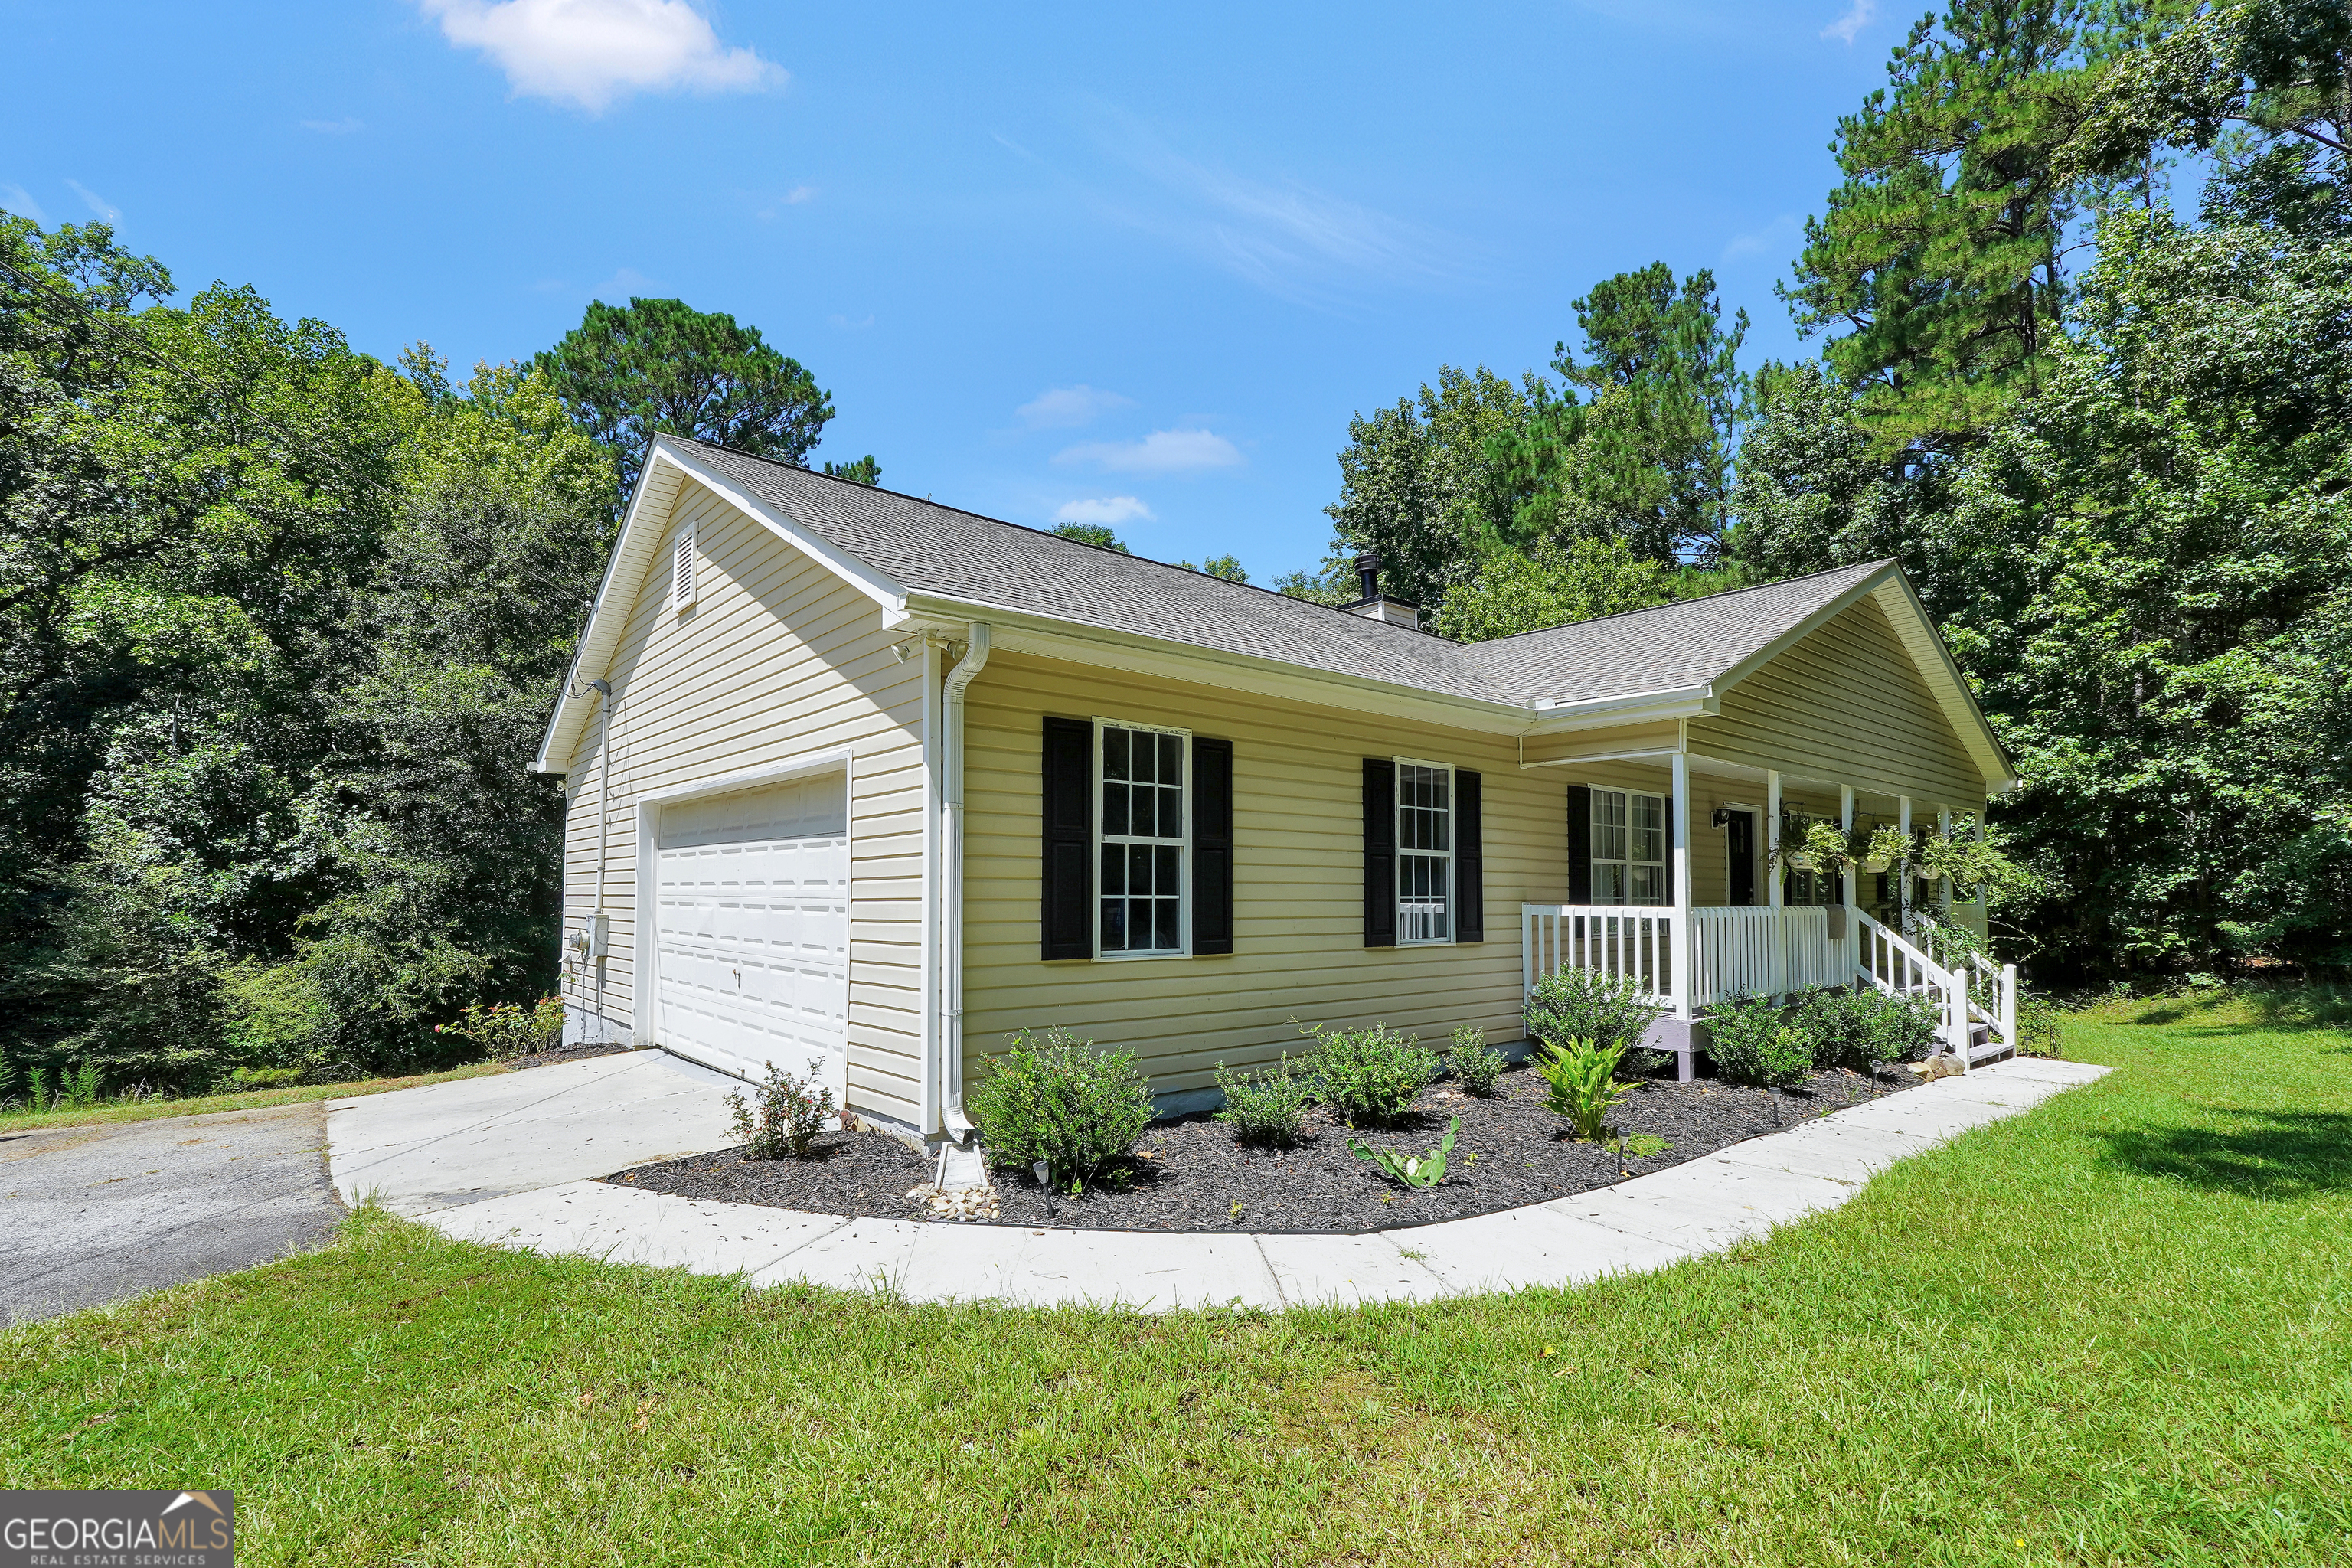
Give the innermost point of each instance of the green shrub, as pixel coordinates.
(787, 1116)
(1584, 1087)
(1580, 1004)
(1746, 1032)
(1266, 1106)
(1055, 1098)
(264, 1078)
(1473, 1064)
(1371, 1077)
(1863, 1029)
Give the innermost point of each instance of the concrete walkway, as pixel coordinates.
(1703, 1205)
(96, 1214)
(417, 1149)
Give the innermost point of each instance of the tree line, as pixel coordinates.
(277, 623)
(2106, 437)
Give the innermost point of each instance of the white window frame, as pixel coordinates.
(1183, 847)
(1451, 915)
(1626, 861)
(1817, 883)
(684, 569)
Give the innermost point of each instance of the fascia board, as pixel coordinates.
(1050, 637)
(655, 480)
(1631, 707)
(1942, 673)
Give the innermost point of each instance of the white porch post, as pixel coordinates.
(1686, 968)
(1776, 882)
(1903, 883)
(1852, 943)
(1944, 887)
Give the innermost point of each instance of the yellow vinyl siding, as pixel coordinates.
(1846, 704)
(1298, 896)
(777, 658)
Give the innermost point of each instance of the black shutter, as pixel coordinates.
(1380, 853)
(1066, 919)
(1213, 846)
(1579, 843)
(1469, 858)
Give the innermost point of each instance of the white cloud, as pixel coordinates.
(799, 193)
(1858, 15)
(342, 127)
(19, 200)
(589, 52)
(1067, 407)
(1283, 235)
(843, 323)
(627, 284)
(1104, 509)
(1778, 235)
(1162, 452)
(97, 203)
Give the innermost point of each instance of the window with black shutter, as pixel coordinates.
(1213, 846)
(1379, 852)
(1579, 843)
(1469, 858)
(1067, 920)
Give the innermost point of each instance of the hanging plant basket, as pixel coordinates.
(1800, 861)
(1876, 864)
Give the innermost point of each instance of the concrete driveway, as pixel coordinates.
(92, 1215)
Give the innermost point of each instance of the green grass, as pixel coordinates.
(246, 1100)
(2117, 1331)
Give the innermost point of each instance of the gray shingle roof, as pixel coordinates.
(933, 549)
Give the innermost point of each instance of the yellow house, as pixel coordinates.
(864, 782)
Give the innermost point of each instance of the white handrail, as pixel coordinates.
(1897, 968)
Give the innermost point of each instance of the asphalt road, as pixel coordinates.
(91, 1214)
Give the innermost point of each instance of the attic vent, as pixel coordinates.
(681, 581)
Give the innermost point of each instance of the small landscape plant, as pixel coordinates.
(1471, 1062)
(1054, 1099)
(1583, 1004)
(1416, 1171)
(1371, 1077)
(1584, 1087)
(784, 1121)
(2037, 1025)
(1267, 1105)
(503, 1029)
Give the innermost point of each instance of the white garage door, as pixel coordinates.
(752, 910)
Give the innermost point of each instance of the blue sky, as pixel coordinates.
(1097, 261)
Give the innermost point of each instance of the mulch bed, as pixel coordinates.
(558, 1054)
(1190, 1174)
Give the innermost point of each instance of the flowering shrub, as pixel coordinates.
(503, 1029)
(787, 1117)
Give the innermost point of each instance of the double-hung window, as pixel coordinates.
(1424, 841)
(1629, 848)
(1142, 842)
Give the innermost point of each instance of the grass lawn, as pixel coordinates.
(2118, 1330)
(248, 1099)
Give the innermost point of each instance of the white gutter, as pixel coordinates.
(950, 884)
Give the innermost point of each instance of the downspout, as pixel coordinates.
(590, 959)
(975, 658)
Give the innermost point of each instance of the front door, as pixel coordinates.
(1740, 847)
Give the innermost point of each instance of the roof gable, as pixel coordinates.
(898, 549)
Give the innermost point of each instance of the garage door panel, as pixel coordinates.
(752, 896)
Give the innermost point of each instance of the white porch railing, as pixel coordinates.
(1764, 951)
(1635, 941)
(1992, 994)
(1899, 969)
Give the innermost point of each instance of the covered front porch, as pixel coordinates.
(1678, 885)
